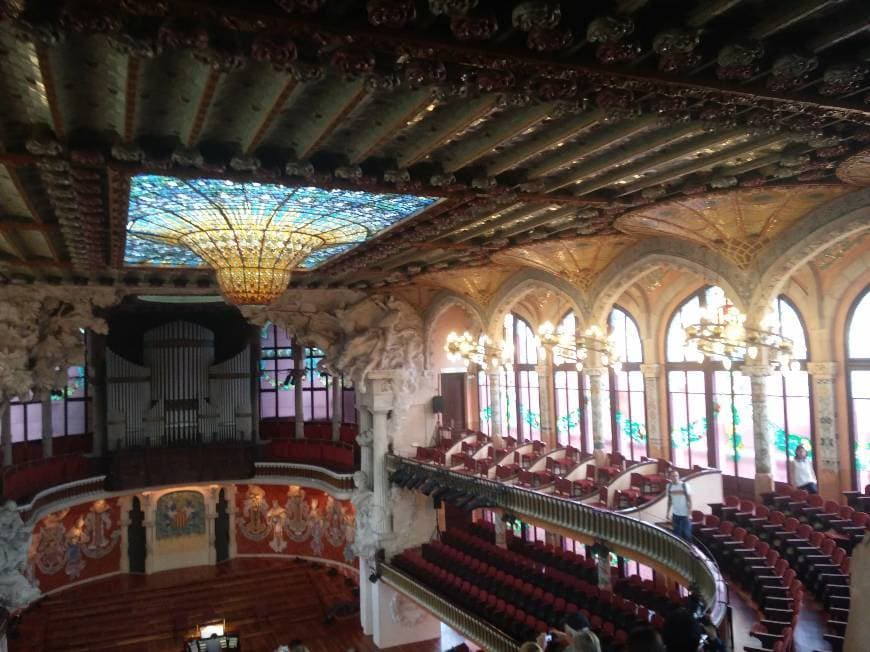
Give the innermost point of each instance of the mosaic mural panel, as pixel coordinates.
(180, 514)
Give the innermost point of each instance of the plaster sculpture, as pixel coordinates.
(858, 629)
(16, 591)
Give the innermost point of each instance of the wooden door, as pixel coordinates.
(453, 391)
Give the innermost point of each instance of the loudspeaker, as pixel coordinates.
(438, 404)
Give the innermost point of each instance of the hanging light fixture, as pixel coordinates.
(480, 351)
(722, 334)
(566, 346)
(253, 235)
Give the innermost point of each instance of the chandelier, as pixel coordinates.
(566, 346)
(253, 235)
(722, 335)
(480, 351)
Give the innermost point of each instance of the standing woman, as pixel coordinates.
(802, 474)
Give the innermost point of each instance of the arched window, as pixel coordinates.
(788, 394)
(277, 385)
(710, 407)
(858, 385)
(623, 410)
(627, 405)
(520, 391)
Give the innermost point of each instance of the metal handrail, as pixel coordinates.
(639, 540)
(470, 626)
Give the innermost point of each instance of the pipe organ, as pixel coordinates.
(178, 395)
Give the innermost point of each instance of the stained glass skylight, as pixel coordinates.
(252, 234)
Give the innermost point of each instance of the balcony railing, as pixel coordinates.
(635, 539)
(471, 627)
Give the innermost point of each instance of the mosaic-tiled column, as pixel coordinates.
(495, 406)
(298, 370)
(827, 449)
(596, 409)
(545, 393)
(6, 432)
(337, 407)
(758, 374)
(651, 377)
(47, 426)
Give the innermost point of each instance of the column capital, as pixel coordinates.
(756, 370)
(594, 371)
(651, 370)
(822, 370)
(365, 438)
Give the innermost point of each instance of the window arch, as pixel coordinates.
(277, 394)
(858, 384)
(519, 386)
(788, 394)
(710, 407)
(623, 409)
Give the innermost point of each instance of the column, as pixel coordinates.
(6, 432)
(47, 425)
(380, 481)
(657, 447)
(255, 344)
(125, 504)
(500, 532)
(472, 401)
(149, 508)
(211, 498)
(96, 370)
(758, 374)
(337, 407)
(364, 439)
(230, 493)
(545, 391)
(298, 375)
(827, 451)
(597, 411)
(495, 407)
(365, 597)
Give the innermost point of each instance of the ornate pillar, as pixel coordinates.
(298, 375)
(545, 390)
(827, 449)
(500, 532)
(6, 432)
(596, 407)
(47, 425)
(337, 407)
(758, 374)
(96, 370)
(495, 407)
(255, 345)
(230, 495)
(380, 481)
(651, 375)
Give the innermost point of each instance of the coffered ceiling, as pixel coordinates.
(543, 128)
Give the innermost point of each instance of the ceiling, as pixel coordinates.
(553, 134)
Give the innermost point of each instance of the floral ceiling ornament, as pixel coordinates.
(536, 14)
(610, 32)
(391, 13)
(676, 49)
(843, 78)
(739, 61)
(474, 28)
(790, 70)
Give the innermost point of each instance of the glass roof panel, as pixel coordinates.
(163, 210)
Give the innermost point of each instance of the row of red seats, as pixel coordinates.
(335, 455)
(24, 480)
(284, 428)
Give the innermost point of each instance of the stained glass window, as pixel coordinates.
(520, 390)
(858, 368)
(573, 427)
(788, 394)
(162, 208)
(68, 410)
(277, 385)
(627, 406)
(710, 408)
(484, 403)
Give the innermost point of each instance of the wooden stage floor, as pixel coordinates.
(268, 601)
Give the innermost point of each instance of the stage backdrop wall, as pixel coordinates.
(292, 520)
(76, 544)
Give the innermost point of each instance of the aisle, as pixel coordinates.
(810, 626)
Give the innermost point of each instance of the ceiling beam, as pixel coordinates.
(787, 15)
(642, 148)
(131, 97)
(349, 97)
(14, 244)
(14, 223)
(501, 222)
(291, 87)
(600, 141)
(16, 180)
(687, 149)
(571, 128)
(205, 99)
(514, 123)
(395, 117)
(44, 59)
(461, 115)
(707, 10)
(541, 220)
(704, 163)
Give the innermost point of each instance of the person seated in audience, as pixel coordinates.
(644, 639)
(573, 636)
(679, 505)
(297, 646)
(682, 633)
(802, 473)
